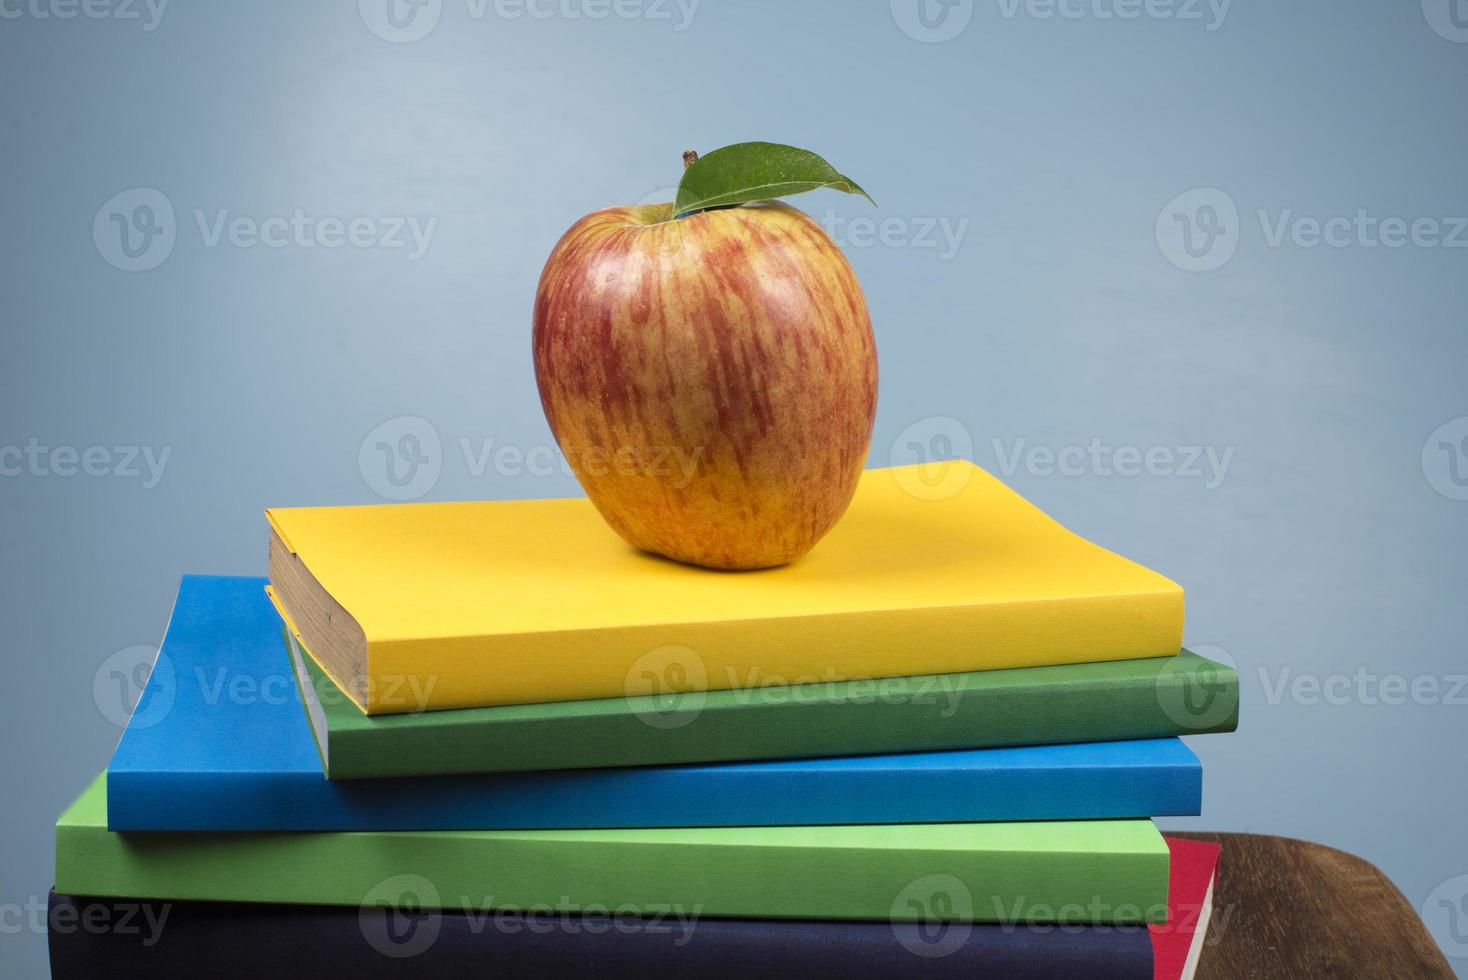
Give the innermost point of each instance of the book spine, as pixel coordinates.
(443, 672)
(1108, 874)
(936, 788)
(123, 938)
(1172, 696)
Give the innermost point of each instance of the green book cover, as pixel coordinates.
(1123, 699)
(1100, 871)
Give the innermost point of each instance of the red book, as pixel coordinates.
(1177, 943)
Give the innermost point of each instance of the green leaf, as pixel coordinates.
(748, 172)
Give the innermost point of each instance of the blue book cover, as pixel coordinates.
(220, 741)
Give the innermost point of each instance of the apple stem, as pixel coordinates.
(690, 157)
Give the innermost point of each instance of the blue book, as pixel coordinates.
(221, 741)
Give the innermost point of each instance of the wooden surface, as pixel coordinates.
(1288, 908)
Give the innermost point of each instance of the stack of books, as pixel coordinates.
(491, 739)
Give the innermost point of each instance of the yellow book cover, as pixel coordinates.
(412, 607)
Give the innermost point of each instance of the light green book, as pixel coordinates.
(1101, 871)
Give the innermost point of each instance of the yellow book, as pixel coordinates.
(412, 607)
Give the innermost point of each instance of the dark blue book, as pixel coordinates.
(220, 741)
(131, 940)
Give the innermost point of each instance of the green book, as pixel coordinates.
(1096, 871)
(1099, 702)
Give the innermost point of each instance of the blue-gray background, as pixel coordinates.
(1324, 543)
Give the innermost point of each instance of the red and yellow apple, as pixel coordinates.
(711, 379)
